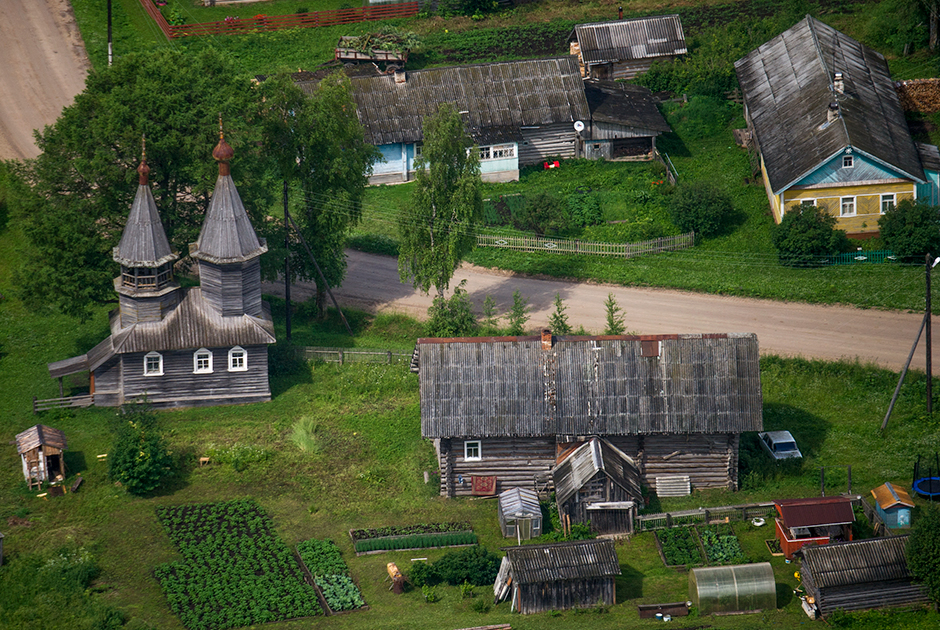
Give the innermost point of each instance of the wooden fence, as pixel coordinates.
(624, 250)
(649, 522)
(312, 19)
(58, 403)
(355, 355)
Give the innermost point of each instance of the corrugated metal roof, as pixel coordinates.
(489, 387)
(559, 562)
(624, 104)
(592, 457)
(857, 562)
(519, 501)
(815, 512)
(787, 85)
(889, 495)
(494, 96)
(227, 235)
(39, 435)
(623, 40)
(143, 243)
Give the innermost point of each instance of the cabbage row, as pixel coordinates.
(331, 574)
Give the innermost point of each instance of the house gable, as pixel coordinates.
(864, 169)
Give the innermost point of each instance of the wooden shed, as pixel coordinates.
(41, 449)
(622, 49)
(893, 505)
(560, 576)
(814, 521)
(860, 575)
(597, 484)
(520, 515)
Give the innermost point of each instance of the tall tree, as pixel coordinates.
(84, 180)
(320, 149)
(438, 229)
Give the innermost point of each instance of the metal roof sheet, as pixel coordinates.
(889, 495)
(624, 40)
(227, 235)
(510, 386)
(815, 512)
(39, 435)
(857, 562)
(565, 561)
(594, 456)
(144, 242)
(494, 98)
(787, 84)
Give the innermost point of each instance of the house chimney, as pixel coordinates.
(400, 76)
(619, 13)
(546, 339)
(838, 84)
(833, 112)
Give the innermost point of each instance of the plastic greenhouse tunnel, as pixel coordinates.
(732, 589)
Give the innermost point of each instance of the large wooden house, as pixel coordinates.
(827, 123)
(509, 406)
(176, 347)
(622, 49)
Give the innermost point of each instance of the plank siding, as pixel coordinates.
(139, 309)
(233, 289)
(575, 508)
(179, 386)
(557, 140)
(515, 462)
(583, 593)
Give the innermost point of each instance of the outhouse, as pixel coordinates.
(41, 450)
(520, 515)
(893, 505)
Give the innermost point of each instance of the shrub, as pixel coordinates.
(139, 459)
(923, 551)
(423, 573)
(806, 236)
(558, 320)
(475, 565)
(614, 317)
(700, 207)
(480, 605)
(518, 314)
(452, 317)
(543, 213)
(584, 208)
(430, 594)
(911, 230)
(466, 590)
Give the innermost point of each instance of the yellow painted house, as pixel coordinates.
(827, 122)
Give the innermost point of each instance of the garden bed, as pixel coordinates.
(235, 571)
(773, 546)
(679, 548)
(421, 536)
(328, 573)
(721, 544)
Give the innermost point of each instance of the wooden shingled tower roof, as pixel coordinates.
(144, 242)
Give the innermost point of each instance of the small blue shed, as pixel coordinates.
(894, 505)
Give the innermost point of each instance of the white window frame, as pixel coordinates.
(842, 203)
(472, 445)
(418, 149)
(149, 369)
(202, 352)
(891, 198)
(497, 152)
(848, 161)
(807, 202)
(238, 363)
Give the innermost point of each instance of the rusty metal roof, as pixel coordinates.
(144, 242)
(624, 40)
(603, 385)
(39, 435)
(857, 562)
(565, 561)
(491, 96)
(594, 456)
(889, 495)
(227, 235)
(815, 512)
(788, 86)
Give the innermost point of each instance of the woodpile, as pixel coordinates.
(919, 95)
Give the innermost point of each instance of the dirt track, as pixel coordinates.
(42, 67)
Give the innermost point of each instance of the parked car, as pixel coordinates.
(780, 444)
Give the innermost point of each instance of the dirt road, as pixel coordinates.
(42, 67)
(789, 329)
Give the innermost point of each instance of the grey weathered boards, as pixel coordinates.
(176, 347)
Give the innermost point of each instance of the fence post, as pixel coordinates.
(34, 406)
(389, 357)
(341, 357)
(668, 519)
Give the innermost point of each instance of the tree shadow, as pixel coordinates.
(629, 583)
(75, 462)
(784, 594)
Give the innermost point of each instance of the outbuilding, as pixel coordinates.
(734, 589)
(41, 450)
(893, 505)
(520, 515)
(816, 521)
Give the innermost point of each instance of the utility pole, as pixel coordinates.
(286, 263)
(110, 49)
(931, 262)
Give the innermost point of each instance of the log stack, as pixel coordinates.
(919, 95)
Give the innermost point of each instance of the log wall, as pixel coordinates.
(514, 461)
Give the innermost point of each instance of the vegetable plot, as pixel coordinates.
(721, 545)
(329, 570)
(413, 537)
(679, 546)
(235, 571)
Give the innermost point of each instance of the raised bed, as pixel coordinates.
(773, 546)
(679, 548)
(327, 572)
(721, 544)
(422, 536)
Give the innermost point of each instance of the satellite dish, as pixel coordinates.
(578, 126)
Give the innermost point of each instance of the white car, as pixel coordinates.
(780, 444)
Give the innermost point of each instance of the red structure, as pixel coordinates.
(816, 521)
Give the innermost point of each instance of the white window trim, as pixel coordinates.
(466, 450)
(244, 366)
(159, 357)
(893, 201)
(848, 161)
(196, 368)
(854, 207)
(807, 202)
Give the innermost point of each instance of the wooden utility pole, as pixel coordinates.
(286, 264)
(110, 49)
(927, 316)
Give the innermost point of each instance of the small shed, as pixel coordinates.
(860, 575)
(520, 515)
(733, 589)
(560, 576)
(41, 450)
(893, 505)
(817, 521)
(596, 483)
(622, 49)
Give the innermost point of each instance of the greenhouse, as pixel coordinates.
(733, 589)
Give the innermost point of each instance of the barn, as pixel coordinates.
(860, 575)
(41, 450)
(559, 576)
(509, 406)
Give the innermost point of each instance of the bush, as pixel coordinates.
(474, 565)
(584, 208)
(518, 314)
(700, 207)
(424, 574)
(543, 213)
(923, 551)
(911, 230)
(452, 317)
(138, 458)
(806, 236)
